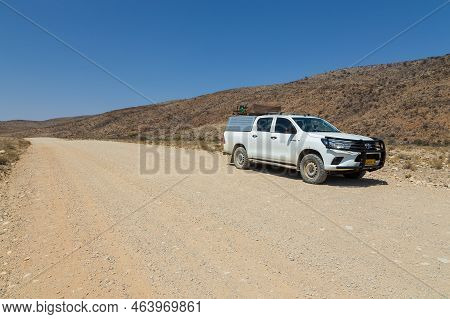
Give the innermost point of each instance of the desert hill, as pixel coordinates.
(406, 102)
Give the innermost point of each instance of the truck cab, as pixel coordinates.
(309, 144)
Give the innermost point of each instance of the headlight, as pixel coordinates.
(378, 145)
(337, 144)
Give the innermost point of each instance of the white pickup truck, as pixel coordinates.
(306, 143)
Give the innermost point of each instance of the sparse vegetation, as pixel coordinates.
(424, 165)
(10, 150)
(436, 163)
(409, 165)
(404, 156)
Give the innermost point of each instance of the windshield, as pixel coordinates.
(311, 124)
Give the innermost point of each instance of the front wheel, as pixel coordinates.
(240, 158)
(312, 169)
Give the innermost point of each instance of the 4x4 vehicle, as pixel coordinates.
(307, 143)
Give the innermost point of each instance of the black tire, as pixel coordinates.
(355, 175)
(312, 169)
(240, 158)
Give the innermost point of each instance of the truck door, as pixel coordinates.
(284, 141)
(259, 138)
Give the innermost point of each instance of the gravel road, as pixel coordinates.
(81, 220)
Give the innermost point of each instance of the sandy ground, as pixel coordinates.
(79, 219)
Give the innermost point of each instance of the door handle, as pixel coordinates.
(254, 135)
(273, 137)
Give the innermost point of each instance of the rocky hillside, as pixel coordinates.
(407, 102)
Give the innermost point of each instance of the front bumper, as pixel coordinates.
(365, 159)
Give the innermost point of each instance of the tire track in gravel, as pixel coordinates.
(220, 235)
(212, 264)
(310, 280)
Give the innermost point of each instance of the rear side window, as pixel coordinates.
(264, 124)
(285, 126)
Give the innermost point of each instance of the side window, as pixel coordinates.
(264, 124)
(284, 126)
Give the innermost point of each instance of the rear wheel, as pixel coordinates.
(312, 169)
(240, 158)
(355, 175)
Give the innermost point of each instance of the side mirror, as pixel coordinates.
(292, 130)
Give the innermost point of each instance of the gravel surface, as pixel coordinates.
(80, 220)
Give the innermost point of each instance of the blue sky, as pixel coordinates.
(180, 49)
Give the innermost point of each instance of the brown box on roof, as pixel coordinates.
(260, 109)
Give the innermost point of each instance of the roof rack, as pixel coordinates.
(257, 109)
(296, 114)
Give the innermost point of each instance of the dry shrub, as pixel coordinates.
(3, 160)
(404, 156)
(10, 150)
(409, 165)
(436, 163)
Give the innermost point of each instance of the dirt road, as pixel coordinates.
(79, 219)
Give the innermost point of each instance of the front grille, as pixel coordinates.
(375, 148)
(360, 146)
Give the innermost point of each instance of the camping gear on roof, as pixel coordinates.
(258, 109)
